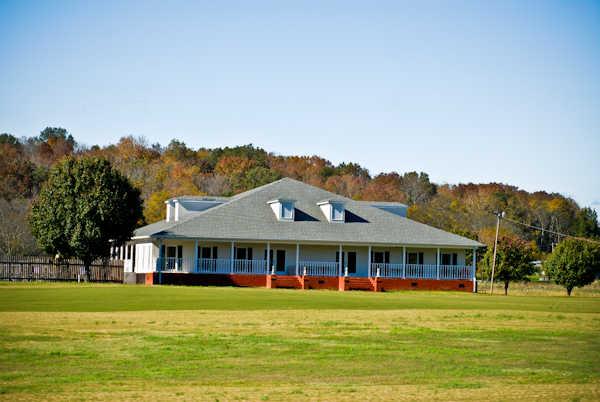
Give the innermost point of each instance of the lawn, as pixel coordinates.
(67, 341)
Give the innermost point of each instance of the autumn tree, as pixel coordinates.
(15, 236)
(84, 205)
(513, 261)
(51, 145)
(417, 187)
(573, 263)
(155, 209)
(178, 169)
(384, 187)
(17, 174)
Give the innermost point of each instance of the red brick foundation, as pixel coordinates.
(284, 282)
(242, 280)
(321, 282)
(387, 284)
(307, 282)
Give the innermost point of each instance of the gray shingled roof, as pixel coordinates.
(200, 198)
(247, 216)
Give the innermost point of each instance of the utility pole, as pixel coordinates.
(499, 215)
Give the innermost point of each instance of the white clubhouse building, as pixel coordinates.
(290, 228)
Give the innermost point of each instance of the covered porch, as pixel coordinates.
(311, 260)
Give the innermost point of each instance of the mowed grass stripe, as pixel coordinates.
(65, 341)
(79, 298)
(332, 350)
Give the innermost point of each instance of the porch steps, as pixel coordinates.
(359, 284)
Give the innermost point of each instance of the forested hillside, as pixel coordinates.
(161, 172)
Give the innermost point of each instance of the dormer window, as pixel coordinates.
(287, 210)
(283, 209)
(337, 212)
(333, 210)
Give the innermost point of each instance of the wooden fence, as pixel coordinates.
(44, 268)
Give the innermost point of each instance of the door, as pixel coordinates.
(205, 255)
(377, 257)
(280, 261)
(351, 262)
(171, 257)
(240, 253)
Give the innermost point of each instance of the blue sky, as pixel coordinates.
(466, 91)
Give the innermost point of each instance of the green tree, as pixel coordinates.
(83, 206)
(573, 264)
(258, 176)
(56, 133)
(513, 261)
(586, 223)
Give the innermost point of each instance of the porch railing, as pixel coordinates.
(169, 264)
(387, 270)
(211, 266)
(312, 268)
(214, 265)
(250, 266)
(318, 268)
(456, 272)
(421, 271)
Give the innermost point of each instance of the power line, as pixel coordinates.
(551, 231)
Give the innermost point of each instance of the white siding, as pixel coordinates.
(145, 257)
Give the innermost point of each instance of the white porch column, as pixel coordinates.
(474, 263)
(340, 261)
(268, 271)
(297, 257)
(232, 254)
(438, 263)
(403, 262)
(196, 255)
(369, 262)
(160, 264)
(199, 257)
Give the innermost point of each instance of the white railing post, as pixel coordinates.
(297, 257)
(438, 263)
(340, 261)
(369, 259)
(474, 269)
(346, 271)
(378, 272)
(403, 262)
(196, 256)
(268, 257)
(232, 255)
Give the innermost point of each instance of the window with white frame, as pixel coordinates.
(415, 258)
(287, 210)
(449, 259)
(337, 212)
(243, 253)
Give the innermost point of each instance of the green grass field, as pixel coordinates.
(67, 341)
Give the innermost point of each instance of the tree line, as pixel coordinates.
(159, 172)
